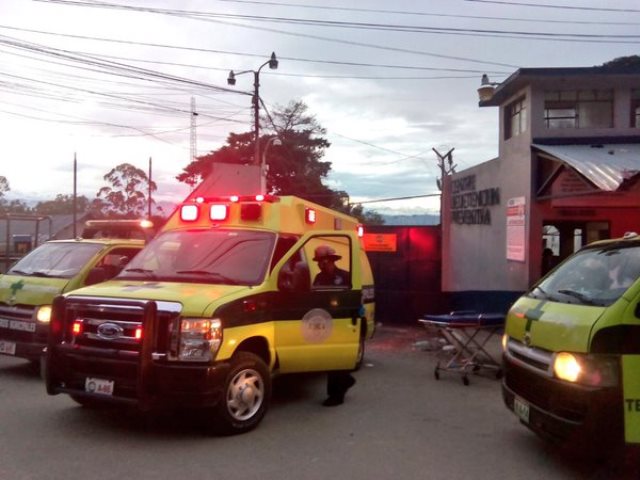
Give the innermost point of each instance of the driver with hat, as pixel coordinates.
(329, 275)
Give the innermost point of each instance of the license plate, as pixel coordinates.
(8, 348)
(521, 409)
(99, 386)
(22, 326)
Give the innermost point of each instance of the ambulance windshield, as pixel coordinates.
(59, 260)
(595, 276)
(232, 257)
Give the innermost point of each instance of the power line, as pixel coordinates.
(559, 7)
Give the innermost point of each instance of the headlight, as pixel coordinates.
(593, 370)
(505, 340)
(199, 339)
(43, 314)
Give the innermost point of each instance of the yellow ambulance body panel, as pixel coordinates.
(226, 295)
(27, 290)
(572, 349)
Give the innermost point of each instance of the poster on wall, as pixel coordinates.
(515, 229)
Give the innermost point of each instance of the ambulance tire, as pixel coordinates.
(245, 396)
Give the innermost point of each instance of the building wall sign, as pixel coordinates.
(380, 242)
(516, 248)
(470, 206)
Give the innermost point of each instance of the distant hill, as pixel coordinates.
(422, 219)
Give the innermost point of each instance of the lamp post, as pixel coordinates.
(231, 80)
(263, 164)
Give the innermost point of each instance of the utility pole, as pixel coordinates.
(150, 201)
(194, 137)
(447, 167)
(75, 194)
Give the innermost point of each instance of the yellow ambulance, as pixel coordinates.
(223, 298)
(572, 350)
(28, 288)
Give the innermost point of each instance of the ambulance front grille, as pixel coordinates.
(113, 326)
(529, 357)
(16, 312)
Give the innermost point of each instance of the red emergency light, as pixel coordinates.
(138, 333)
(310, 215)
(189, 213)
(360, 229)
(218, 212)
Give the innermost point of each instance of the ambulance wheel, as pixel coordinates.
(245, 396)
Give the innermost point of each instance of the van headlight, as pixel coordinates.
(592, 370)
(199, 339)
(43, 314)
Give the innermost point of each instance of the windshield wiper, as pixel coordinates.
(149, 273)
(217, 275)
(19, 272)
(580, 296)
(40, 273)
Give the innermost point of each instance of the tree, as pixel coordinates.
(295, 167)
(4, 186)
(125, 197)
(61, 205)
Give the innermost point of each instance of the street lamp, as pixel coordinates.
(231, 80)
(263, 164)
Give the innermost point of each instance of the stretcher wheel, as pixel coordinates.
(465, 380)
(436, 373)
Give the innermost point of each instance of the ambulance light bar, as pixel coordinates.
(218, 212)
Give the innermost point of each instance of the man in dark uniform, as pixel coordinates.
(330, 275)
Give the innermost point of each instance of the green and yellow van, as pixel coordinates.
(28, 288)
(217, 303)
(572, 349)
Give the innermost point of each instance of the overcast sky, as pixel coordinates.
(113, 81)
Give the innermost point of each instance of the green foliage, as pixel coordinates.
(125, 196)
(15, 207)
(295, 166)
(4, 186)
(63, 204)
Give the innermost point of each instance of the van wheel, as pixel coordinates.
(360, 354)
(245, 396)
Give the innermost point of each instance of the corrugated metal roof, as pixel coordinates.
(606, 165)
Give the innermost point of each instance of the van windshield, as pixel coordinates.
(595, 276)
(231, 257)
(59, 260)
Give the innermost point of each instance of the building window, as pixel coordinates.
(635, 108)
(515, 118)
(578, 109)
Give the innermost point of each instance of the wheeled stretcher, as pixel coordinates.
(466, 335)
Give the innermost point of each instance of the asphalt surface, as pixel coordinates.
(398, 422)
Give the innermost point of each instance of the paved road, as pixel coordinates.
(398, 423)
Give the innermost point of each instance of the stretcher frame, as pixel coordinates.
(466, 335)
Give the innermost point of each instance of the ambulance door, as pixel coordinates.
(317, 323)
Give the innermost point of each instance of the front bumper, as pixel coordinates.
(27, 345)
(156, 384)
(564, 412)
